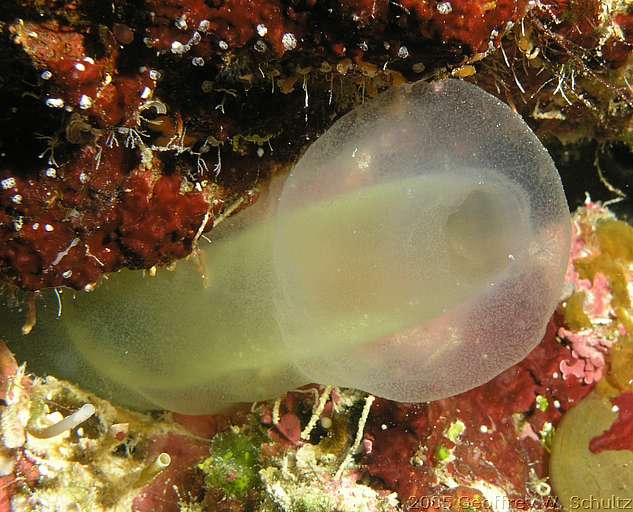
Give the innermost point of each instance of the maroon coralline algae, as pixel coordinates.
(307, 25)
(620, 435)
(67, 231)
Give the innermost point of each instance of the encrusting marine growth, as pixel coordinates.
(396, 242)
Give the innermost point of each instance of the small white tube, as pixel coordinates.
(160, 463)
(68, 423)
(359, 437)
(316, 414)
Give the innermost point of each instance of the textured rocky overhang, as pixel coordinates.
(128, 129)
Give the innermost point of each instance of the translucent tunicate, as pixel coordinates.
(445, 258)
(416, 250)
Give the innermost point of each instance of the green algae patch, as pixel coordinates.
(580, 476)
(455, 431)
(233, 466)
(541, 403)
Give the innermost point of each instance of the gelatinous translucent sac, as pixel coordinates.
(416, 250)
(586, 480)
(450, 256)
(174, 341)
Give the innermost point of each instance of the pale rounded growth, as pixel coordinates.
(416, 250)
(445, 256)
(601, 480)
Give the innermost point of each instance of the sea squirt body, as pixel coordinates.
(449, 272)
(416, 250)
